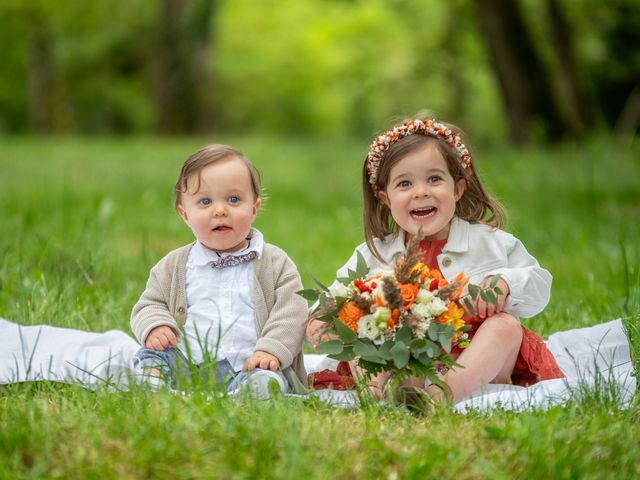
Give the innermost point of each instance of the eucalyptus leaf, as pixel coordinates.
(418, 345)
(345, 356)
(445, 342)
(424, 359)
(385, 349)
(400, 354)
(368, 352)
(404, 335)
(331, 347)
(494, 280)
(309, 294)
(345, 333)
(328, 316)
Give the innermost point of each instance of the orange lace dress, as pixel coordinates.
(534, 363)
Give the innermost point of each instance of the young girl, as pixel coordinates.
(418, 179)
(232, 294)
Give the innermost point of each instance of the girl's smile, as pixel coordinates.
(422, 194)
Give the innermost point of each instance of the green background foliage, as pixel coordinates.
(301, 87)
(325, 68)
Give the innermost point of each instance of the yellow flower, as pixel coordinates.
(453, 315)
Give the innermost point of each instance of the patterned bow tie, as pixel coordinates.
(234, 260)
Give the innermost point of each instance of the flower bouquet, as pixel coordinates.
(403, 321)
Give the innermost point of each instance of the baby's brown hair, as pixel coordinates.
(205, 157)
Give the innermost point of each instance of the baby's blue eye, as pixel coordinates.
(233, 199)
(404, 183)
(434, 178)
(205, 201)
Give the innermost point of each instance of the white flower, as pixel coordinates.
(339, 290)
(424, 296)
(422, 310)
(420, 330)
(437, 307)
(367, 327)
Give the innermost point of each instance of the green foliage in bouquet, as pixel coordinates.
(404, 321)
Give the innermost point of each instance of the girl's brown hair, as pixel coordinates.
(475, 206)
(205, 157)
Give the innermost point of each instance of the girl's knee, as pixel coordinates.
(506, 325)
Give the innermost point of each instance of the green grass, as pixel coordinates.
(83, 220)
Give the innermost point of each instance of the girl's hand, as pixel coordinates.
(263, 360)
(161, 338)
(484, 309)
(316, 333)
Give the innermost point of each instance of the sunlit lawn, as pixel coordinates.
(82, 221)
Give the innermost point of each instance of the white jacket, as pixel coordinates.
(477, 250)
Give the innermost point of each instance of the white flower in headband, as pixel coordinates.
(429, 127)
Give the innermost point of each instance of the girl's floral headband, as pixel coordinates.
(429, 127)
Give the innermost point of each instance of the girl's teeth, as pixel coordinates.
(423, 212)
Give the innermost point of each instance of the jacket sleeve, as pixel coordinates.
(529, 283)
(284, 330)
(152, 309)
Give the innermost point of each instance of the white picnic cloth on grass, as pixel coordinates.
(592, 358)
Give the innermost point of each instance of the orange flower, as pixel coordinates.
(436, 275)
(349, 314)
(408, 292)
(394, 318)
(460, 277)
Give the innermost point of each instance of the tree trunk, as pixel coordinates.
(180, 66)
(40, 78)
(576, 109)
(524, 84)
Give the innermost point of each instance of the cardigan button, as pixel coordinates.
(446, 262)
(181, 310)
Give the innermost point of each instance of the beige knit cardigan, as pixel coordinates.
(281, 314)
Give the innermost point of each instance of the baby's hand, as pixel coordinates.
(261, 359)
(485, 309)
(161, 338)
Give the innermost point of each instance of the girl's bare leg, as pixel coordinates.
(489, 358)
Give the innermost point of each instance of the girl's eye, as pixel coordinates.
(404, 183)
(205, 201)
(434, 178)
(233, 199)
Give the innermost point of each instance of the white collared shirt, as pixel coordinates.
(479, 251)
(220, 321)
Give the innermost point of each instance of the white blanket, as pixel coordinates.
(593, 359)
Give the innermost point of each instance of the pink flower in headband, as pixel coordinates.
(429, 127)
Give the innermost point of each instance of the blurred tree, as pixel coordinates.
(523, 78)
(541, 69)
(180, 63)
(575, 105)
(40, 74)
(615, 70)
